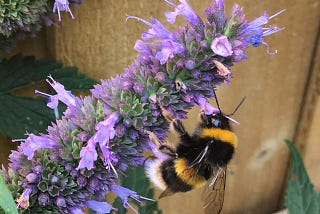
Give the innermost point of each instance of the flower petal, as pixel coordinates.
(100, 207)
(205, 105)
(34, 143)
(63, 95)
(88, 155)
(105, 129)
(222, 69)
(221, 46)
(62, 5)
(185, 10)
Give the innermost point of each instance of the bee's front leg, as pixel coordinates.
(164, 147)
(206, 120)
(176, 125)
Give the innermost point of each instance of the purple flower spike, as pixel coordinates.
(34, 143)
(125, 194)
(168, 50)
(258, 39)
(60, 201)
(76, 210)
(105, 129)
(157, 29)
(205, 105)
(255, 26)
(142, 47)
(63, 95)
(100, 207)
(105, 132)
(43, 199)
(221, 46)
(88, 155)
(189, 14)
(109, 159)
(53, 101)
(23, 201)
(62, 5)
(216, 14)
(255, 32)
(167, 45)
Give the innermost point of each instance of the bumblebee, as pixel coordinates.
(199, 159)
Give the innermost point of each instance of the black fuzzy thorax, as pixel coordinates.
(219, 152)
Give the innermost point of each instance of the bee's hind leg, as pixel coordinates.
(164, 147)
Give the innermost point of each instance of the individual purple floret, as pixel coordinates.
(62, 5)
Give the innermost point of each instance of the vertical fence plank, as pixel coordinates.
(307, 136)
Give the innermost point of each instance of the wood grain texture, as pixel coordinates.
(100, 42)
(308, 133)
(36, 46)
(312, 148)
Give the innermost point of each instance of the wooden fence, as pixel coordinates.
(282, 90)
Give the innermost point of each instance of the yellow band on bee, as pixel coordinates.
(221, 134)
(188, 176)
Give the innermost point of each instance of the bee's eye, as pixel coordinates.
(217, 123)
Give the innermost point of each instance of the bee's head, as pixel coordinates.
(221, 121)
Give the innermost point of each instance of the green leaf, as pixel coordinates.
(6, 201)
(301, 195)
(21, 114)
(136, 180)
(16, 72)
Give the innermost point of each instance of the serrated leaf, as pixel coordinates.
(301, 197)
(20, 71)
(20, 114)
(136, 180)
(6, 200)
(16, 72)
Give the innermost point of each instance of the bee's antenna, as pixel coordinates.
(236, 109)
(215, 96)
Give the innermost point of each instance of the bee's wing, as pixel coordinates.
(213, 192)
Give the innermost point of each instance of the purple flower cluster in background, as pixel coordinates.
(77, 162)
(21, 19)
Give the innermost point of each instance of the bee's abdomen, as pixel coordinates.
(172, 179)
(188, 177)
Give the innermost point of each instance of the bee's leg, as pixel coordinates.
(176, 125)
(166, 114)
(166, 149)
(205, 120)
(149, 157)
(163, 147)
